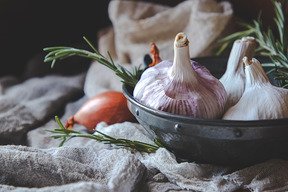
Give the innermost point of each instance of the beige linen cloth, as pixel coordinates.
(86, 165)
(136, 24)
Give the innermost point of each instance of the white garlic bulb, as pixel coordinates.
(260, 100)
(234, 77)
(181, 86)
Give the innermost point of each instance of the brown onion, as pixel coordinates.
(110, 107)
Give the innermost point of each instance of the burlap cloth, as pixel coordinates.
(30, 159)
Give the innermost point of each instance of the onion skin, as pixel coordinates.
(110, 107)
(155, 52)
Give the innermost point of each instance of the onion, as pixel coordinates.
(110, 107)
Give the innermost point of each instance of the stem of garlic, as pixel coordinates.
(255, 76)
(241, 48)
(234, 77)
(182, 69)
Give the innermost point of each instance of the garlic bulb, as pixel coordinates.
(234, 77)
(181, 86)
(261, 99)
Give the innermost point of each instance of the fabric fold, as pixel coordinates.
(135, 24)
(59, 166)
(28, 104)
(84, 164)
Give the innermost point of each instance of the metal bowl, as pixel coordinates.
(214, 141)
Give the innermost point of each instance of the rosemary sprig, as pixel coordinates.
(67, 134)
(275, 46)
(59, 53)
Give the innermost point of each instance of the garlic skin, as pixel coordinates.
(234, 77)
(181, 86)
(260, 100)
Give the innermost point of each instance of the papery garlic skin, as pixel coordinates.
(260, 100)
(182, 86)
(234, 77)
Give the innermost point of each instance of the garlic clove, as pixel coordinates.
(181, 86)
(260, 99)
(234, 77)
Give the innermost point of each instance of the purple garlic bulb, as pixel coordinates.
(181, 86)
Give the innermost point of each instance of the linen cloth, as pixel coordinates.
(30, 160)
(136, 24)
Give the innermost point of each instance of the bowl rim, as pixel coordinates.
(128, 90)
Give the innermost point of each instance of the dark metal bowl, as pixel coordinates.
(215, 141)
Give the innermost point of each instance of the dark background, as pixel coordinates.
(27, 26)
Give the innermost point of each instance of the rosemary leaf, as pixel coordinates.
(236, 36)
(67, 134)
(90, 44)
(59, 123)
(54, 48)
(60, 52)
(275, 46)
(63, 141)
(222, 48)
(111, 60)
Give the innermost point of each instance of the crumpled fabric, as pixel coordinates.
(85, 164)
(57, 166)
(135, 24)
(30, 159)
(24, 105)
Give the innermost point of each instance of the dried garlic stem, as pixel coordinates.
(234, 76)
(182, 69)
(256, 74)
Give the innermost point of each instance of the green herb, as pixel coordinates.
(59, 53)
(66, 135)
(270, 44)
